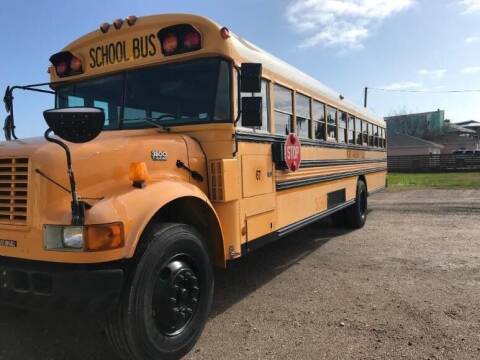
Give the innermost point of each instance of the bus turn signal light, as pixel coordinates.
(104, 237)
(94, 237)
(138, 174)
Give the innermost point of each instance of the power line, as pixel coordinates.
(426, 91)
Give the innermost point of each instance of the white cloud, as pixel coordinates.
(471, 70)
(340, 22)
(403, 85)
(436, 74)
(472, 39)
(471, 6)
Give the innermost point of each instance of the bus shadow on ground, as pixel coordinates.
(58, 336)
(248, 273)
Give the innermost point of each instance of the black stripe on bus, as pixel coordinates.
(338, 162)
(266, 239)
(271, 138)
(290, 184)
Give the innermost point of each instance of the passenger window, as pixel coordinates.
(370, 134)
(318, 120)
(376, 140)
(265, 105)
(302, 110)
(342, 127)
(351, 129)
(365, 133)
(358, 131)
(331, 123)
(283, 110)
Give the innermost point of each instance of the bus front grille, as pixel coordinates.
(13, 191)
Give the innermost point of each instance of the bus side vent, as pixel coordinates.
(225, 180)
(216, 181)
(336, 198)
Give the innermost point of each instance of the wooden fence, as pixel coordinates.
(433, 163)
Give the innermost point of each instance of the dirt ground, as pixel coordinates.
(404, 287)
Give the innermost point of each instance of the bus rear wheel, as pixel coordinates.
(167, 298)
(356, 215)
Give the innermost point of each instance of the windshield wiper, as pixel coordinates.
(154, 121)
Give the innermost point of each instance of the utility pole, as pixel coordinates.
(365, 98)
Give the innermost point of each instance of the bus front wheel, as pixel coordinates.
(167, 298)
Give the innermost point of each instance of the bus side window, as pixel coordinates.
(283, 110)
(351, 130)
(265, 105)
(302, 110)
(365, 133)
(318, 120)
(358, 131)
(376, 143)
(331, 123)
(370, 134)
(342, 127)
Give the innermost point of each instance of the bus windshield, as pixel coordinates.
(173, 94)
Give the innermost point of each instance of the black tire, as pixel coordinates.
(356, 215)
(167, 298)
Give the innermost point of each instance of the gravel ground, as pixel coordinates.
(404, 287)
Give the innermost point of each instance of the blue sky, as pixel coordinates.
(393, 44)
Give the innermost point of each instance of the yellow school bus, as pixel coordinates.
(174, 145)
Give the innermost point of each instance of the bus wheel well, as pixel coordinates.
(362, 178)
(198, 214)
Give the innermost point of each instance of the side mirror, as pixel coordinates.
(252, 111)
(251, 78)
(7, 99)
(76, 124)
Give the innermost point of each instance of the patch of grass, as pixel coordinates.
(435, 180)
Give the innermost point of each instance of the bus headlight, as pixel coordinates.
(95, 237)
(73, 237)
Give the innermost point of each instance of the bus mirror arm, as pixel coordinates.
(9, 124)
(78, 207)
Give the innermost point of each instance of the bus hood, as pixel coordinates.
(101, 168)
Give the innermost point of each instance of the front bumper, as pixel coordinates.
(50, 286)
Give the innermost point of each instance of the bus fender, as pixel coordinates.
(138, 208)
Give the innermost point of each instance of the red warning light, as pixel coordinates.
(170, 43)
(191, 39)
